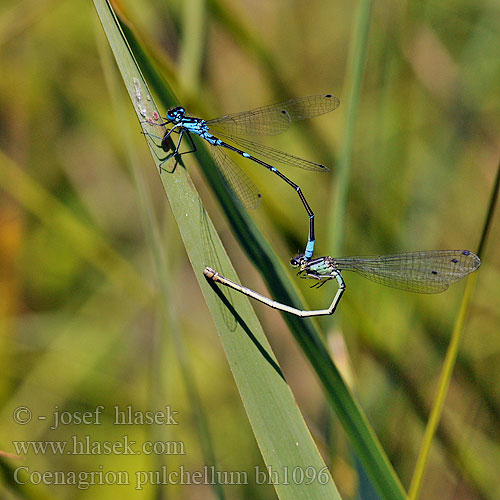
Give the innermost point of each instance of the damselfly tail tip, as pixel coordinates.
(209, 272)
(335, 99)
(476, 261)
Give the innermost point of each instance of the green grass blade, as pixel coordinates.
(305, 332)
(19, 487)
(281, 433)
(160, 259)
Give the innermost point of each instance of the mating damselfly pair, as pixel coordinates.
(267, 120)
(423, 272)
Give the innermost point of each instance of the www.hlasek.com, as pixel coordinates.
(208, 475)
(87, 446)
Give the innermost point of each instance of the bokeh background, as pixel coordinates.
(81, 323)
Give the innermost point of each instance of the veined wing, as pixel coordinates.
(237, 182)
(429, 271)
(275, 155)
(275, 118)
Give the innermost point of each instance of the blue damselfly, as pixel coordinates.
(268, 120)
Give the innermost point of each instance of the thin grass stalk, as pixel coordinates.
(451, 356)
(444, 383)
(466, 465)
(193, 43)
(359, 48)
(353, 82)
(460, 460)
(465, 365)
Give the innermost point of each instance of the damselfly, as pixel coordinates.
(268, 120)
(430, 271)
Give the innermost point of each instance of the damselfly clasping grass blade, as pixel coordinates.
(268, 120)
(430, 271)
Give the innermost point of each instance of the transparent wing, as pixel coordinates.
(237, 182)
(275, 155)
(273, 119)
(423, 272)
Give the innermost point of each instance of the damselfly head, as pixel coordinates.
(297, 261)
(176, 114)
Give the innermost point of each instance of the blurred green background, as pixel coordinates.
(79, 297)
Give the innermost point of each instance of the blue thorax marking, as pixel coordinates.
(195, 125)
(199, 127)
(178, 117)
